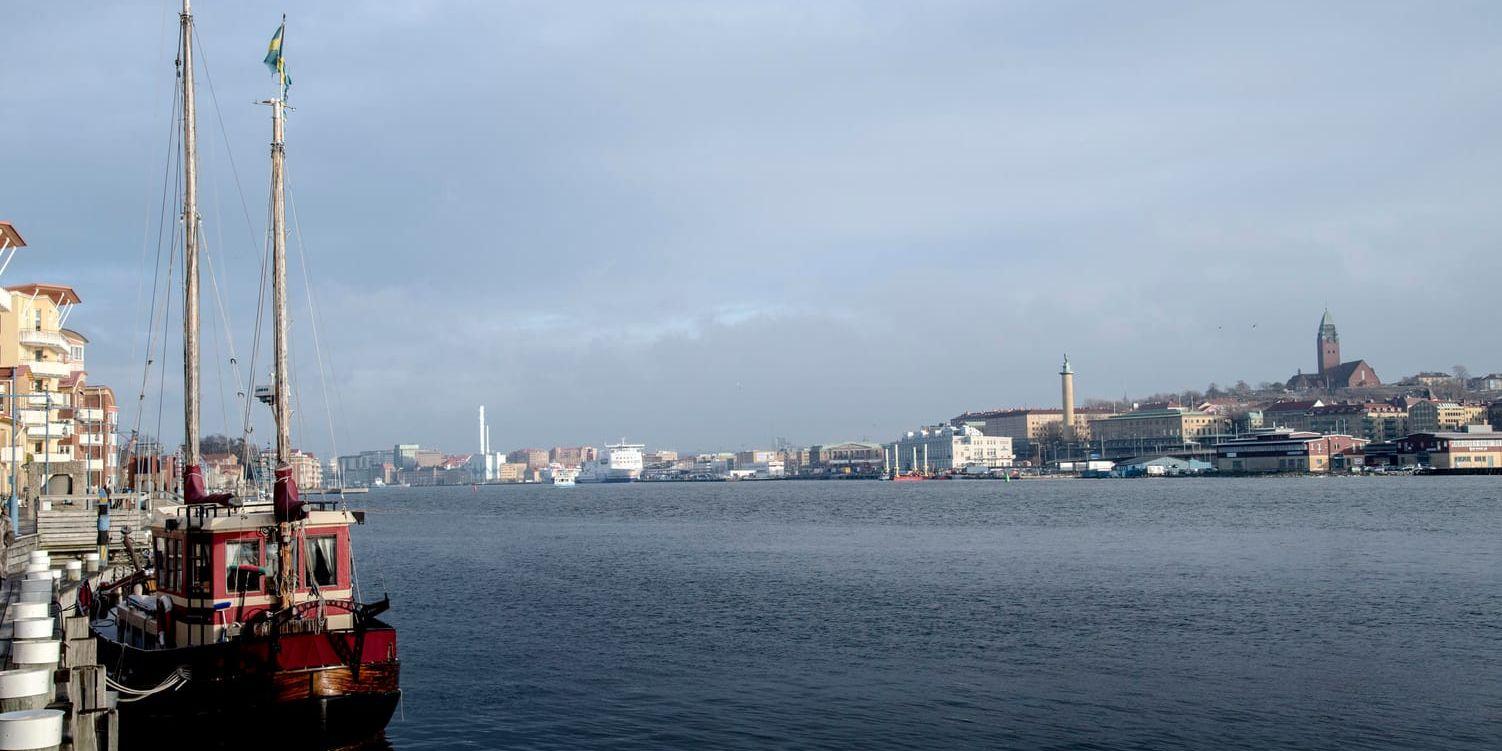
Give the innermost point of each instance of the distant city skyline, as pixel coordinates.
(707, 226)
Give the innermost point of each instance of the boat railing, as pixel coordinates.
(196, 514)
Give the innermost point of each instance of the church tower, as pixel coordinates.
(1327, 344)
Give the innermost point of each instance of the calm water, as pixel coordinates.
(1256, 613)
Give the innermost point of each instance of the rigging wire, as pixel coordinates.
(244, 380)
(146, 199)
(166, 326)
(324, 374)
(171, 170)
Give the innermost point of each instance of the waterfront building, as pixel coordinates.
(1374, 421)
(1286, 450)
(1494, 414)
(511, 472)
(96, 419)
(847, 454)
(1029, 426)
(659, 458)
(571, 456)
(848, 458)
(1158, 430)
(1248, 420)
(429, 458)
(307, 471)
(1292, 414)
(535, 459)
(1433, 416)
(944, 448)
(66, 429)
(404, 456)
(222, 471)
(1330, 373)
(1478, 448)
(1161, 466)
(366, 468)
(757, 456)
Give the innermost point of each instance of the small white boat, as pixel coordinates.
(557, 474)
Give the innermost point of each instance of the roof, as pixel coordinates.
(8, 234)
(74, 336)
(1349, 409)
(1024, 411)
(1303, 405)
(1453, 435)
(1341, 374)
(59, 293)
(1326, 320)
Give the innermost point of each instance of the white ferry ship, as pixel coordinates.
(619, 462)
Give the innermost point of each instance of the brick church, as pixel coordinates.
(1333, 374)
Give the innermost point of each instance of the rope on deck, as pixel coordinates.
(176, 680)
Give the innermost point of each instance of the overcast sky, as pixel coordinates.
(705, 224)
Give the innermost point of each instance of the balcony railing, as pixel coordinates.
(49, 368)
(44, 339)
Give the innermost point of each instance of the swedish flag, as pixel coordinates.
(274, 59)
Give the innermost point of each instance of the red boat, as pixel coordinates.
(235, 655)
(910, 477)
(245, 627)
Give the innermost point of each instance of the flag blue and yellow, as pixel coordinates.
(274, 59)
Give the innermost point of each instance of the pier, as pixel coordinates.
(54, 694)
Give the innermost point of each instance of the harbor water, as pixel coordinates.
(1178, 613)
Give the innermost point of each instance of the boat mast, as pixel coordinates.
(190, 247)
(282, 403)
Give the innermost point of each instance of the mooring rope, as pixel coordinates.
(176, 680)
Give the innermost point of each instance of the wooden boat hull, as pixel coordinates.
(245, 694)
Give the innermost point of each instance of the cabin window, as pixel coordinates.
(322, 566)
(237, 554)
(203, 566)
(172, 565)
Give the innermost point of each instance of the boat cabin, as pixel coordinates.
(216, 569)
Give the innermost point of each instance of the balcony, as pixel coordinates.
(51, 339)
(49, 368)
(90, 414)
(43, 458)
(33, 418)
(53, 429)
(90, 439)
